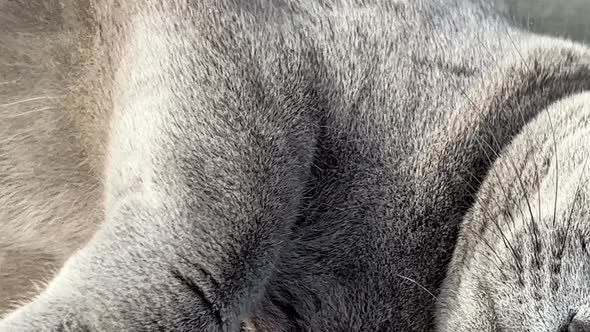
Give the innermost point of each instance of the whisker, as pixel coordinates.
(31, 112)
(30, 100)
(418, 284)
(556, 166)
(517, 49)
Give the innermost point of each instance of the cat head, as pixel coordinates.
(522, 262)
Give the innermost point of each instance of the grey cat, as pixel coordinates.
(268, 165)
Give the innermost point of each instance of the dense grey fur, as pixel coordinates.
(300, 165)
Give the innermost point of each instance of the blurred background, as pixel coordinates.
(564, 18)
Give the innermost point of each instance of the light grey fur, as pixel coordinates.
(296, 165)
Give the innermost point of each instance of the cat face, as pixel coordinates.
(523, 259)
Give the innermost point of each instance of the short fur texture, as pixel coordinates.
(299, 165)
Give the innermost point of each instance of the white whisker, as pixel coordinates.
(31, 111)
(29, 100)
(418, 284)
